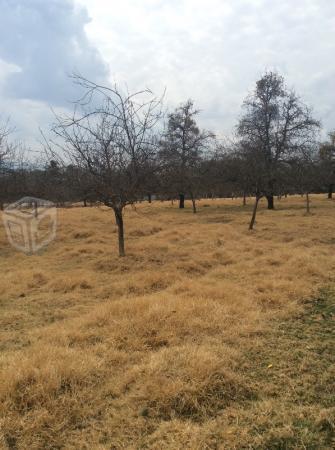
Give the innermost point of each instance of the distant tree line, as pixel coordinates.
(118, 148)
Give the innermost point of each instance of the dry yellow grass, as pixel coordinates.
(158, 349)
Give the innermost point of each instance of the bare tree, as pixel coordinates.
(327, 159)
(5, 147)
(182, 148)
(254, 174)
(111, 134)
(303, 173)
(276, 124)
(6, 160)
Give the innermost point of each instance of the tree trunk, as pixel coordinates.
(330, 191)
(1, 206)
(270, 201)
(35, 208)
(244, 199)
(253, 218)
(181, 201)
(149, 198)
(85, 202)
(308, 210)
(120, 228)
(193, 204)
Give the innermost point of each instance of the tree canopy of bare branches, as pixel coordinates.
(112, 135)
(276, 126)
(182, 150)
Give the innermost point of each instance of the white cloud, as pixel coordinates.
(214, 50)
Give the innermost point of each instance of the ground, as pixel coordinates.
(205, 336)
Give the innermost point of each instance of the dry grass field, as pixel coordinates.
(205, 336)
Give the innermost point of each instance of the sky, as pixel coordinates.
(211, 51)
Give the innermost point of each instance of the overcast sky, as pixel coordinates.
(212, 51)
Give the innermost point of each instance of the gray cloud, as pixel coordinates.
(46, 40)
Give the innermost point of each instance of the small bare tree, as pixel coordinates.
(6, 156)
(5, 147)
(254, 173)
(327, 162)
(182, 149)
(111, 134)
(303, 173)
